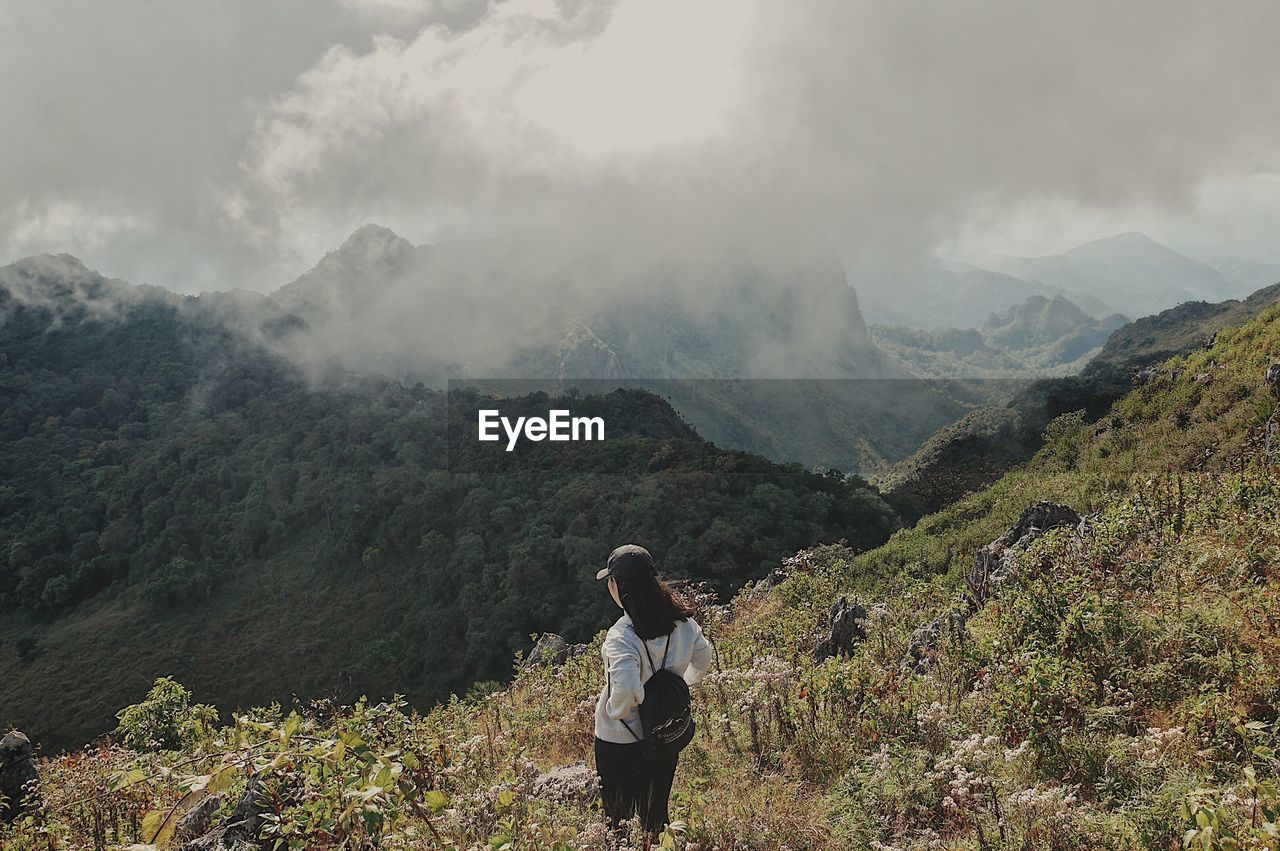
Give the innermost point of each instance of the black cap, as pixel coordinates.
(627, 562)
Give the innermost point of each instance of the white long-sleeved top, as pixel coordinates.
(627, 668)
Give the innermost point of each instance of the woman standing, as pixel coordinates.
(657, 631)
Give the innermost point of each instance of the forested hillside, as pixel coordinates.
(176, 498)
(1084, 655)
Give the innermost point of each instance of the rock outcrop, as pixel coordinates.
(992, 567)
(19, 777)
(240, 830)
(774, 578)
(801, 562)
(993, 562)
(552, 651)
(1144, 375)
(570, 784)
(196, 822)
(847, 627)
(924, 641)
(1271, 431)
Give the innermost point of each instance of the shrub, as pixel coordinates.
(165, 719)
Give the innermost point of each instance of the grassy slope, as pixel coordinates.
(972, 452)
(1124, 660)
(1155, 338)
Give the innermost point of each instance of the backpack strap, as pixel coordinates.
(645, 645)
(629, 730)
(652, 667)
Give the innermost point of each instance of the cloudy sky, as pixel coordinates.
(211, 144)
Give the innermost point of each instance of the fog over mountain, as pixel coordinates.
(506, 308)
(262, 139)
(943, 296)
(1129, 273)
(1250, 274)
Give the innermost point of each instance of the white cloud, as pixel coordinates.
(44, 227)
(255, 136)
(407, 12)
(887, 124)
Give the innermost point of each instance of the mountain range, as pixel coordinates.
(984, 444)
(762, 349)
(1081, 654)
(714, 317)
(1039, 336)
(1129, 274)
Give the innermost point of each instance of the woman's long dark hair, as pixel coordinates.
(653, 605)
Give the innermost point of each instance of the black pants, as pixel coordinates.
(631, 784)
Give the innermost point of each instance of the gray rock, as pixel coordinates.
(773, 580)
(847, 627)
(568, 784)
(549, 650)
(552, 651)
(240, 829)
(1272, 428)
(801, 563)
(19, 777)
(246, 818)
(921, 647)
(196, 822)
(992, 567)
(993, 563)
(1145, 375)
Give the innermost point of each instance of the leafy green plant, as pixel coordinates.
(166, 719)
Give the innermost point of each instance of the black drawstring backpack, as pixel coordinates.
(666, 714)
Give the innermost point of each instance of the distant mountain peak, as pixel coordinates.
(54, 265)
(369, 244)
(1133, 242)
(582, 354)
(1042, 321)
(63, 284)
(373, 236)
(1039, 310)
(40, 277)
(366, 259)
(1133, 237)
(1062, 306)
(1128, 273)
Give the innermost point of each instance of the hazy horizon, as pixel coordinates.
(204, 146)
